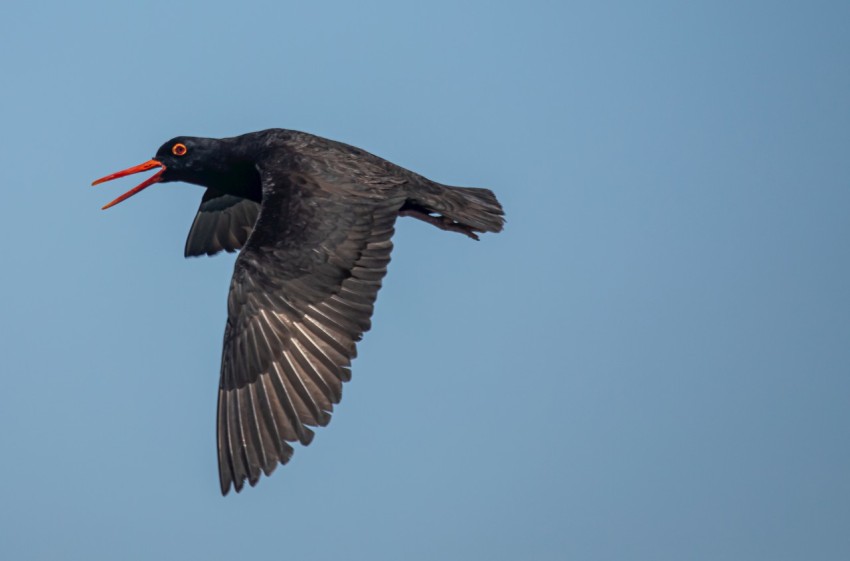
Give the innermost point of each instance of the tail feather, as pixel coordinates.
(477, 208)
(461, 209)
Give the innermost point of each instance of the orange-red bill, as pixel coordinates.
(155, 178)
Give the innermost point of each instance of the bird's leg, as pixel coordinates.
(439, 220)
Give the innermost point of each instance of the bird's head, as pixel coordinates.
(208, 162)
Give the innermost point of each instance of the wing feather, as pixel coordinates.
(302, 295)
(223, 223)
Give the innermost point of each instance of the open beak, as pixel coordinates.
(155, 178)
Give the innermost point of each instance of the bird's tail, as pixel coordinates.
(460, 209)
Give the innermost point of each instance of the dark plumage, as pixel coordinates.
(313, 219)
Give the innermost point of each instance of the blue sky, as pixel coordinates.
(651, 362)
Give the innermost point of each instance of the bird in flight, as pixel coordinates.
(313, 219)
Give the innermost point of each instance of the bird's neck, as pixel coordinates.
(241, 180)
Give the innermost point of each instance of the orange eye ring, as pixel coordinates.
(179, 149)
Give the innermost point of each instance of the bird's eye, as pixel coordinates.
(178, 149)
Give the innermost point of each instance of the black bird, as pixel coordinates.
(313, 218)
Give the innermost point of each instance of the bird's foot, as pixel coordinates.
(440, 222)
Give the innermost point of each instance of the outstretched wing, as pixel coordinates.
(223, 222)
(302, 295)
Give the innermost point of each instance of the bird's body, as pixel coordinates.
(313, 219)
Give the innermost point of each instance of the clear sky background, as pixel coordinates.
(651, 362)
